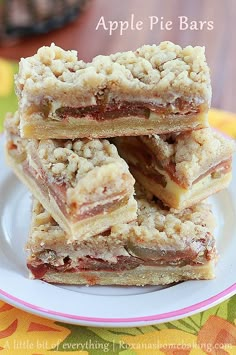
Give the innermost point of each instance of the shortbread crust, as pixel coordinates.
(180, 169)
(162, 246)
(155, 89)
(84, 184)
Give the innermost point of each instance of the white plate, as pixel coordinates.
(107, 306)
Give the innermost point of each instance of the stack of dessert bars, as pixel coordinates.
(84, 133)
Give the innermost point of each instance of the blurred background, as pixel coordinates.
(87, 27)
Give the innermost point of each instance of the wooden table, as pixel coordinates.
(83, 36)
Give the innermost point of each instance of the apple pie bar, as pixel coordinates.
(155, 89)
(180, 169)
(161, 247)
(84, 184)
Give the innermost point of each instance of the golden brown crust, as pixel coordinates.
(123, 126)
(140, 276)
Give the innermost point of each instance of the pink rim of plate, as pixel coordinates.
(180, 312)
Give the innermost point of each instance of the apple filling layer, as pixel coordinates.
(161, 240)
(104, 110)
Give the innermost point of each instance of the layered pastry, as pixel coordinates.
(83, 184)
(162, 246)
(155, 89)
(180, 169)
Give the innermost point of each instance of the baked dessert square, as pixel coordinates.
(180, 169)
(155, 89)
(161, 247)
(84, 184)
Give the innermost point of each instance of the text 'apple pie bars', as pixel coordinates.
(162, 246)
(155, 89)
(180, 169)
(83, 184)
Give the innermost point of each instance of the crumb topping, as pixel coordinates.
(164, 72)
(15, 145)
(192, 153)
(171, 229)
(69, 161)
(12, 122)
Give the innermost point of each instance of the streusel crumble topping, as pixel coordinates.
(191, 152)
(70, 160)
(149, 69)
(170, 227)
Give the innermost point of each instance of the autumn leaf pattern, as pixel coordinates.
(212, 332)
(22, 333)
